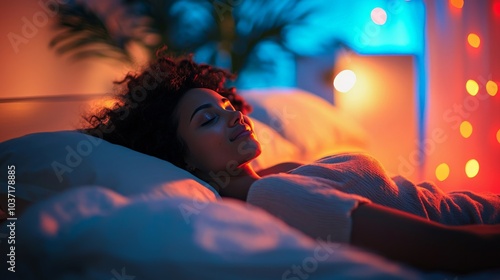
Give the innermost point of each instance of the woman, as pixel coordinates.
(181, 112)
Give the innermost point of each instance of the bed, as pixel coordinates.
(102, 211)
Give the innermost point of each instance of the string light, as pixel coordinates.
(472, 87)
(379, 16)
(442, 171)
(474, 40)
(466, 129)
(491, 88)
(457, 3)
(472, 168)
(496, 8)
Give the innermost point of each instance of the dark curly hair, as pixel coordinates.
(144, 116)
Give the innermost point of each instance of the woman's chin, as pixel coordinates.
(249, 149)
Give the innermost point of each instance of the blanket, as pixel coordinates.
(95, 233)
(318, 198)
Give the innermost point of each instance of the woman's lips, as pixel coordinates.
(245, 133)
(241, 133)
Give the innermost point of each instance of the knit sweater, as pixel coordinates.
(318, 198)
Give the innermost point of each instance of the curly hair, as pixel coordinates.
(144, 116)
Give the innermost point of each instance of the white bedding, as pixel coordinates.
(93, 233)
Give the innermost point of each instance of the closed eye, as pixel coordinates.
(210, 120)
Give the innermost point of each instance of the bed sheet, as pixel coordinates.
(95, 233)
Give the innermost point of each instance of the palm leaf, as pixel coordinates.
(81, 29)
(185, 26)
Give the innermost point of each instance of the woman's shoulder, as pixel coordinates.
(279, 168)
(349, 157)
(356, 159)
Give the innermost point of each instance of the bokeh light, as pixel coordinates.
(379, 16)
(472, 87)
(466, 129)
(457, 3)
(344, 81)
(496, 8)
(473, 40)
(498, 136)
(442, 171)
(472, 168)
(491, 88)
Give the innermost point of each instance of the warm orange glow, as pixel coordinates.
(442, 171)
(473, 40)
(491, 88)
(106, 102)
(457, 3)
(498, 136)
(466, 129)
(472, 87)
(472, 168)
(344, 81)
(379, 16)
(110, 103)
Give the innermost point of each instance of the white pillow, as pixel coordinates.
(275, 148)
(51, 162)
(313, 125)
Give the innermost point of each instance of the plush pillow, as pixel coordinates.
(313, 125)
(275, 148)
(50, 162)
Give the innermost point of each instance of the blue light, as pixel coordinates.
(319, 27)
(350, 23)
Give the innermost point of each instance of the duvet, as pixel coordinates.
(93, 232)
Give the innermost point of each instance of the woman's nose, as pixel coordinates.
(236, 118)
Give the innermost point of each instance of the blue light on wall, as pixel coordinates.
(318, 27)
(351, 23)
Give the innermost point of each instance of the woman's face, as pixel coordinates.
(218, 138)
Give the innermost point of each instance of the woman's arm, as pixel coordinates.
(424, 244)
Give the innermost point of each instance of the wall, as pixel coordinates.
(30, 68)
(452, 62)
